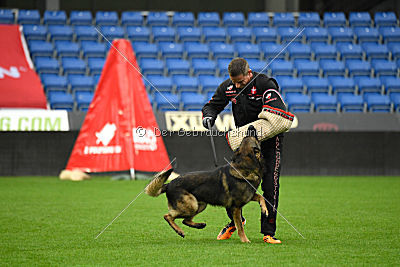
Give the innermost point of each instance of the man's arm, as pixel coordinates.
(271, 94)
(216, 104)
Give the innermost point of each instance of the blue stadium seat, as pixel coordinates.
(61, 100)
(67, 49)
(80, 82)
(151, 66)
(351, 103)
(342, 85)
(391, 84)
(366, 34)
(316, 85)
(189, 33)
(192, 101)
(281, 67)
(233, 19)
(375, 50)
(307, 19)
(385, 19)
(390, 34)
(214, 34)
(283, 19)
(177, 66)
(331, 67)
(183, 19)
(169, 50)
(377, 103)
(316, 34)
(157, 19)
(95, 65)
(222, 66)
(112, 32)
(306, 67)
(83, 100)
(145, 50)
(347, 51)
(272, 50)
(106, 18)
(384, 67)
(239, 34)
(264, 34)
(35, 32)
(196, 50)
(185, 83)
(324, 51)
(248, 50)
(398, 63)
(395, 98)
(257, 65)
(138, 33)
(298, 50)
(158, 83)
(222, 50)
(298, 102)
(79, 17)
(203, 66)
(6, 16)
(163, 33)
(208, 19)
(290, 85)
(209, 83)
(334, 19)
(60, 32)
(368, 85)
(166, 101)
(73, 65)
(55, 17)
(288, 34)
(28, 17)
(93, 49)
(54, 82)
(324, 102)
(341, 34)
(132, 18)
(358, 67)
(359, 19)
(40, 48)
(46, 65)
(257, 19)
(86, 32)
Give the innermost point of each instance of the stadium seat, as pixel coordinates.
(324, 102)
(305, 67)
(298, 50)
(192, 101)
(341, 34)
(214, 34)
(185, 83)
(222, 50)
(79, 17)
(358, 67)
(35, 32)
(54, 17)
(132, 18)
(40, 48)
(323, 51)
(106, 18)
(145, 50)
(334, 19)
(368, 85)
(347, 51)
(80, 82)
(209, 83)
(308, 19)
(67, 49)
(281, 67)
(331, 67)
(385, 19)
(203, 66)
(93, 49)
(183, 19)
(166, 101)
(377, 103)
(54, 82)
(257, 65)
(196, 50)
(351, 103)
(208, 19)
(283, 19)
(159, 83)
(46, 65)
(291, 85)
(298, 102)
(162, 33)
(28, 17)
(138, 33)
(359, 19)
(151, 66)
(257, 19)
(384, 67)
(222, 66)
(95, 65)
(83, 100)
(395, 98)
(239, 34)
(157, 19)
(189, 33)
(232, 19)
(366, 34)
(316, 34)
(342, 85)
(289, 34)
(248, 50)
(6, 16)
(391, 84)
(390, 34)
(375, 50)
(264, 34)
(169, 50)
(112, 32)
(177, 66)
(73, 65)
(316, 85)
(86, 32)
(60, 32)
(272, 50)
(61, 100)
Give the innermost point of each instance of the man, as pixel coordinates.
(249, 91)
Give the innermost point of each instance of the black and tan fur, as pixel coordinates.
(189, 194)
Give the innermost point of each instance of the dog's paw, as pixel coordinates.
(181, 233)
(201, 225)
(246, 241)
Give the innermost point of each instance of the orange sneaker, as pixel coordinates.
(271, 240)
(228, 230)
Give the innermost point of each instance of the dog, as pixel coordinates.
(231, 186)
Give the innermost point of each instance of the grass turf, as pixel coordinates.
(345, 221)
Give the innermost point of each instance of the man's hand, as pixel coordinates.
(206, 120)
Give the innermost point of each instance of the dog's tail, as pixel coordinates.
(155, 187)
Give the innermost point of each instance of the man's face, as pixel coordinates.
(241, 80)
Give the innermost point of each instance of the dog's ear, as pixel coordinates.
(251, 131)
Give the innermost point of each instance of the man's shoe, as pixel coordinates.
(228, 230)
(271, 240)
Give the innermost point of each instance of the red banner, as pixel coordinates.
(119, 129)
(20, 86)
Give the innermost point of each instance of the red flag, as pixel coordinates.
(119, 129)
(20, 86)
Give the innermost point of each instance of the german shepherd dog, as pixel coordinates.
(231, 186)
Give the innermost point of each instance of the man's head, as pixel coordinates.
(239, 72)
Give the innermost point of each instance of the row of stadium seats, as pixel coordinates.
(203, 18)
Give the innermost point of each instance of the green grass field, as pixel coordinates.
(345, 221)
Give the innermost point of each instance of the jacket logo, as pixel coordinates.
(268, 96)
(253, 90)
(229, 88)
